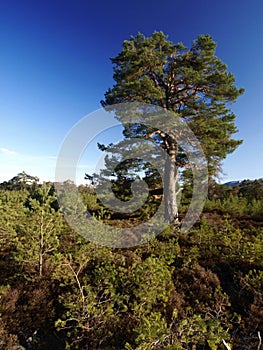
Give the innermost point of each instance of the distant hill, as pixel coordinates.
(232, 183)
(243, 182)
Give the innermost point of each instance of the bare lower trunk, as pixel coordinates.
(170, 202)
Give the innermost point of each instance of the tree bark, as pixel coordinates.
(170, 178)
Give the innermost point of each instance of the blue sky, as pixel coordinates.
(55, 69)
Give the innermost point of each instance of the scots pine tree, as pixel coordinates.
(193, 83)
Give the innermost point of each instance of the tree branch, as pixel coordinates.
(226, 345)
(259, 337)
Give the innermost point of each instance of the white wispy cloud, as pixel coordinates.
(42, 166)
(7, 151)
(12, 163)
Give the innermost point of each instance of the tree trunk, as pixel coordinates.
(170, 178)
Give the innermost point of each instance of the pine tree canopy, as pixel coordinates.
(194, 83)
